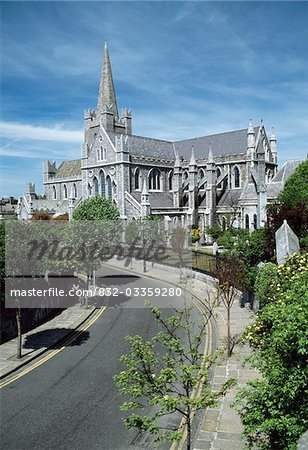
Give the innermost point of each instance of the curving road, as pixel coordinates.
(70, 402)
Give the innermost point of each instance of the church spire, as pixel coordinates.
(106, 96)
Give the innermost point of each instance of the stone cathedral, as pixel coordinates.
(225, 178)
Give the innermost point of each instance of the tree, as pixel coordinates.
(96, 208)
(100, 209)
(230, 274)
(163, 374)
(274, 409)
(291, 205)
(296, 188)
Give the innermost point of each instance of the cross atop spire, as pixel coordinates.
(106, 95)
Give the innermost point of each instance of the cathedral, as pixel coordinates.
(226, 178)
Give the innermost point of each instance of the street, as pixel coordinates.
(71, 401)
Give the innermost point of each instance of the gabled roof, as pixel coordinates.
(51, 206)
(229, 143)
(69, 168)
(157, 199)
(287, 170)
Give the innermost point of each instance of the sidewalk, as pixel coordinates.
(220, 428)
(43, 338)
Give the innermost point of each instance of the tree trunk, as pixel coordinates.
(188, 423)
(228, 331)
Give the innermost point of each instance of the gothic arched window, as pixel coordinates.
(95, 186)
(54, 192)
(109, 187)
(247, 222)
(154, 180)
(74, 190)
(64, 191)
(255, 221)
(137, 178)
(102, 183)
(170, 178)
(237, 178)
(201, 174)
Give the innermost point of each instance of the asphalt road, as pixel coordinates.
(71, 401)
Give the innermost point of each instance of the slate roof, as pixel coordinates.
(147, 147)
(157, 199)
(287, 170)
(230, 197)
(69, 168)
(230, 143)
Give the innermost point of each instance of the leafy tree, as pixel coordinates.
(96, 208)
(291, 205)
(274, 409)
(296, 188)
(163, 374)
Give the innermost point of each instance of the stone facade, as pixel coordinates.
(227, 178)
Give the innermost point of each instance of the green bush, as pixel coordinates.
(274, 409)
(266, 283)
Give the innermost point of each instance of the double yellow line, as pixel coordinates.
(55, 352)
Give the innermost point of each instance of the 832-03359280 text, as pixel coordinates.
(99, 292)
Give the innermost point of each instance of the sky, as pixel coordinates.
(186, 69)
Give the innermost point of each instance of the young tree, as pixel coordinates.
(230, 274)
(96, 208)
(274, 409)
(163, 374)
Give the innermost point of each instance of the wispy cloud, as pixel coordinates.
(18, 131)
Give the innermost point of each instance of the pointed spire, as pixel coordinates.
(192, 158)
(210, 158)
(250, 129)
(106, 96)
(273, 135)
(177, 162)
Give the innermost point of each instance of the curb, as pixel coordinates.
(41, 352)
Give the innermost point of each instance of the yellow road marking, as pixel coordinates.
(53, 353)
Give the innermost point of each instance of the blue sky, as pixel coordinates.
(185, 68)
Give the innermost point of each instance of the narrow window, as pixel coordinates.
(103, 184)
(170, 178)
(137, 178)
(247, 222)
(109, 188)
(236, 177)
(54, 191)
(255, 221)
(64, 191)
(95, 185)
(74, 190)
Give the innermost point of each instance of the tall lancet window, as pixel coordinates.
(109, 188)
(154, 180)
(237, 177)
(54, 192)
(74, 190)
(170, 178)
(95, 186)
(137, 178)
(102, 183)
(247, 222)
(64, 191)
